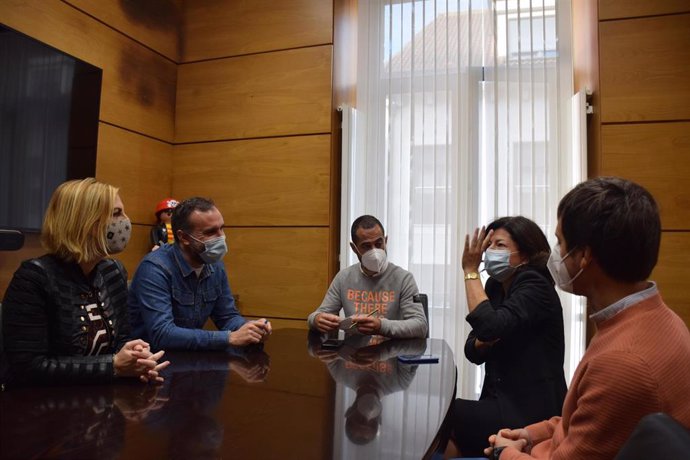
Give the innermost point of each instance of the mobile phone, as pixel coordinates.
(418, 359)
(331, 344)
(335, 340)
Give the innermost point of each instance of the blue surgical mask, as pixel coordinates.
(214, 249)
(497, 264)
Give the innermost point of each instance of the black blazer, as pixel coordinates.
(524, 369)
(43, 338)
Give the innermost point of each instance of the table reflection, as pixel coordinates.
(193, 388)
(86, 421)
(303, 402)
(89, 421)
(381, 404)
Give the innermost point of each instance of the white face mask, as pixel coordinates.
(375, 260)
(369, 406)
(559, 271)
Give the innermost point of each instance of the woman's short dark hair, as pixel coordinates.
(366, 222)
(619, 221)
(530, 240)
(181, 213)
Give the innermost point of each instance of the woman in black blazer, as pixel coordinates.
(65, 313)
(517, 332)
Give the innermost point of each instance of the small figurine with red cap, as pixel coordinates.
(162, 232)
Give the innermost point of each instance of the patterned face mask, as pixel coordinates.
(117, 235)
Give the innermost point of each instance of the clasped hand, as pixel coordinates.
(136, 360)
(518, 439)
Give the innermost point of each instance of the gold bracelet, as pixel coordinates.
(471, 276)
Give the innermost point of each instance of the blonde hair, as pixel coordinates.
(76, 221)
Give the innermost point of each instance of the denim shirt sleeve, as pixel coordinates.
(152, 289)
(225, 315)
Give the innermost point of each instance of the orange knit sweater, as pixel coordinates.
(637, 363)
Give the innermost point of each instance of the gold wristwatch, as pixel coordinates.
(471, 276)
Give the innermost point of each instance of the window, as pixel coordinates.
(463, 115)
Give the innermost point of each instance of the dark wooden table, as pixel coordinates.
(293, 399)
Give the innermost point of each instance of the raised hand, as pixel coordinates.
(474, 248)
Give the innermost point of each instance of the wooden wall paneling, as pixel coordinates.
(586, 73)
(344, 94)
(136, 249)
(672, 272)
(278, 181)
(657, 156)
(345, 52)
(138, 89)
(644, 67)
(156, 24)
(138, 246)
(618, 9)
(278, 272)
(140, 166)
(272, 94)
(221, 28)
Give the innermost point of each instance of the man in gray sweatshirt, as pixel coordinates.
(375, 293)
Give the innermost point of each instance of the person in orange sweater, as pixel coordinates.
(638, 362)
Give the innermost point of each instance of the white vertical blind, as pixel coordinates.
(463, 116)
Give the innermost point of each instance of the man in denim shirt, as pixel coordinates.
(179, 286)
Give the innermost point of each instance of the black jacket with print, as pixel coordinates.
(45, 341)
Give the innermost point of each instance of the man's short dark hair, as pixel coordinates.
(365, 222)
(619, 220)
(181, 213)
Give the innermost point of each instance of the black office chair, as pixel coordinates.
(424, 300)
(11, 240)
(657, 435)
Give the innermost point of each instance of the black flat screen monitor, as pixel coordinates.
(49, 105)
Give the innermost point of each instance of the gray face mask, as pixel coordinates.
(214, 249)
(117, 235)
(497, 264)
